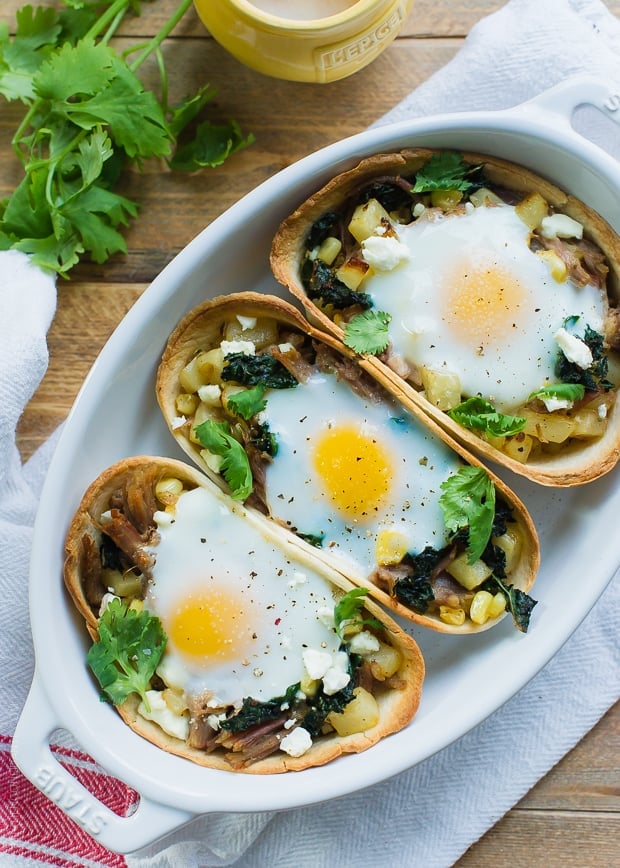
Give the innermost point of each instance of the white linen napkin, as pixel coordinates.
(429, 815)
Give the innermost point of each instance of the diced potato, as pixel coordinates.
(122, 584)
(556, 264)
(452, 616)
(329, 250)
(228, 390)
(484, 196)
(468, 575)
(263, 333)
(532, 209)
(352, 272)
(511, 544)
(214, 462)
(447, 200)
(202, 414)
(168, 489)
(390, 547)
(360, 714)
(185, 404)
(203, 368)
(385, 662)
(366, 218)
(480, 606)
(442, 388)
(548, 427)
(518, 447)
(588, 423)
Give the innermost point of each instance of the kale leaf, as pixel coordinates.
(321, 229)
(264, 440)
(264, 370)
(321, 284)
(414, 589)
(253, 712)
(314, 539)
(593, 378)
(321, 704)
(518, 603)
(390, 192)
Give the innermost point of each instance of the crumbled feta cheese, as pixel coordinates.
(163, 518)
(602, 411)
(288, 724)
(560, 226)
(384, 253)
(325, 616)
(214, 720)
(574, 348)
(418, 209)
(316, 663)
(337, 675)
(210, 394)
(286, 347)
(246, 322)
(364, 643)
(178, 422)
(297, 579)
(174, 724)
(105, 602)
(552, 403)
(297, 742)
(245, 347)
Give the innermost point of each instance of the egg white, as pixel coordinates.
(267, 607)
(417, 464)
(472, 299)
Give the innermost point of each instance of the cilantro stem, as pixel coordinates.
(113, 15)
(165, 31)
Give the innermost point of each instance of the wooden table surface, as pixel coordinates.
(572, 816)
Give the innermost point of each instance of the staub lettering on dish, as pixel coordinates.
(612, 104)
(70, 800)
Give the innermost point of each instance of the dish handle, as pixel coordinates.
(33, 756)
(564, 98)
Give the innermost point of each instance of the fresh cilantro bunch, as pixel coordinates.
(128, 652)
(87, 114)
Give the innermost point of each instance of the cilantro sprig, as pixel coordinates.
(216, 437)
(480, 415)
(444, 171)
(560, 391)
(368, 332)
(87, 114)
(128, 652)
(248, 402)
(348, 611)
(468, 501)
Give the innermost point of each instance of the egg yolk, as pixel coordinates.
(209, 625)
(356, 471)
(484, 303)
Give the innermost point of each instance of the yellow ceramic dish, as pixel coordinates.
(334, 40)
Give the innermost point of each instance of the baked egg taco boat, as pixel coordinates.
(477, 292)
(283, 418)
(221, 641)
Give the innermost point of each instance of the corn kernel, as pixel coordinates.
(329, 250)
(497, 606)
(390, 547)
(185, 404)
(168, 489)
(480, 606)
(448, 615)
(447, 200)
(309, 686)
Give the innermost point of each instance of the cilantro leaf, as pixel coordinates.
(561, 391)
(216, 437)
(211, 146)
(128, 652)
(468, 501)
(368, 332)
(479, 415)
(444, 171)
(247, 403)
(348, 611)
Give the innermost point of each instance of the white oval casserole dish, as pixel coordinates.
(120, 387)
